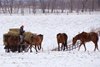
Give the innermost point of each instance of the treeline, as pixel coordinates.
(48, 6)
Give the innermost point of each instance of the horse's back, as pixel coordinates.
(61, 37)
(65, 36)
(91, 36)
(37, 39)
(94, 36)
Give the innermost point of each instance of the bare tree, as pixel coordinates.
(53, 5)
(99, 3)
(0, 3)
(43, 5)
(84, 4)
(71, 6)
(49, 5)
(11, 6)
(62, 4)
(92, 5)
(78, 6)
(33, 6)
(21, 4)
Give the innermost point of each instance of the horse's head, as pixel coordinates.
(75, 40)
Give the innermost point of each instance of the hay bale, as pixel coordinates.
(28, 35)
(13, 33)
(14, 29)
(7, 35)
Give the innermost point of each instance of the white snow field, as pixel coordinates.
(49, 26)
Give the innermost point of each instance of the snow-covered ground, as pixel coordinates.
(49, 26)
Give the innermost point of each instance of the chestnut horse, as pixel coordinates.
(86, 37)
(35, 40)
(62, 38)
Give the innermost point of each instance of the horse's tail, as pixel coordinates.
(65, 43)
(66, 37)
(41, 38)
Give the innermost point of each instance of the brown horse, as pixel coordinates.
(86, 37)
(35, 40)
(62, 38)
(12, 42)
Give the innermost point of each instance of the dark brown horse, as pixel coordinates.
(35, 40)
(12, 42)
(62, 38)
(86, 37)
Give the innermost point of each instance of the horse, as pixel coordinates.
(35, 40)
(62, 38)
(12, 43)
(86, 37)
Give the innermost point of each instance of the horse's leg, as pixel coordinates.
(62, 47)
(84, 46)
(96, 46)
(79, 46)
(8, 49)
(26, 48)
(65, 45)
(30, 48)
(36, 48)
(18, 48)
(39, 47)
(58, 47)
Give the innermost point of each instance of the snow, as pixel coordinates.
(49, 25)
(51, 59)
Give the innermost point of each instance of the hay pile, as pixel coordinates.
(11, 32)
(14, 29)
(15, 33)
(28, 35)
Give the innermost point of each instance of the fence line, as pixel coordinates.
(70, 47)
